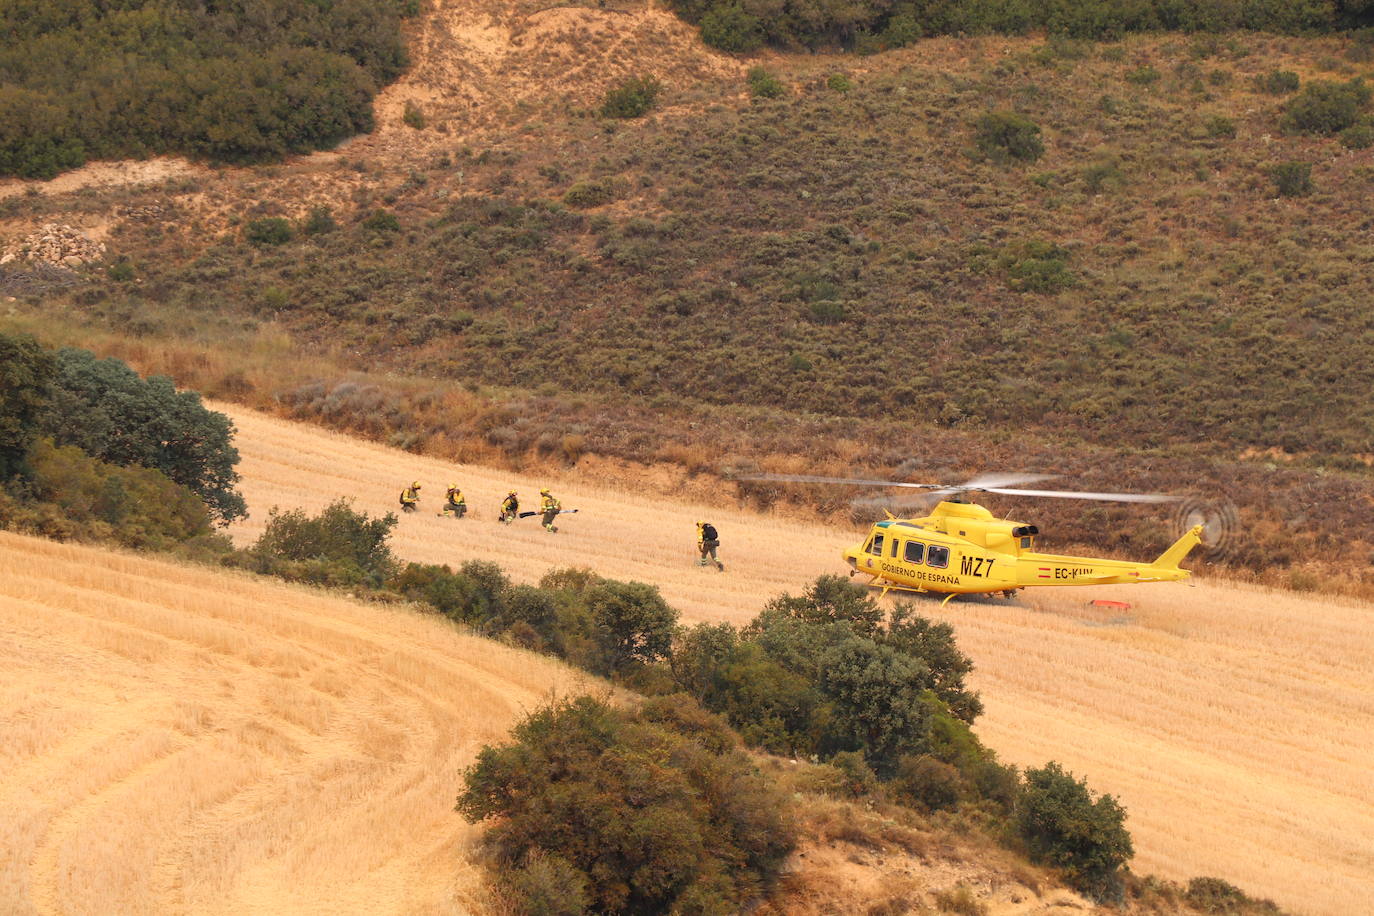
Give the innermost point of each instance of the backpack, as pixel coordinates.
(708, 533)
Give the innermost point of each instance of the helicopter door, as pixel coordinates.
(875, 546)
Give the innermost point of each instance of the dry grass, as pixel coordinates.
(177, 740)
(1233, 722)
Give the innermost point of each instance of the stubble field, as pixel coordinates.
(176, 740)
(1233, 722)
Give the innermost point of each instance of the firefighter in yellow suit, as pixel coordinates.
(550, 507)
(410, 497)
(457, 504)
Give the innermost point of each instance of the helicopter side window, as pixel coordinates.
(937, 557)
(895, 544)
(875, 546)
(915, 552)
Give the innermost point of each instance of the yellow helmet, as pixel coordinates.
(453, 486)
(544, 490)
(511, 493)
(416, 485)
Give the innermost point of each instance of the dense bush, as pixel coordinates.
(743, 25)
(238, 82)
(729, 27)
(763, 84)
(338, 547)
(1064, 826)
(631, 98)
(633, 625)
(268, 231)
(628, 810)
(823, 674)
(1278, 82)
(135, 507)
(1006, 135)
(26, 372)
(1215, 896)
(1292, 179)
(107, 410)
(1325, 107)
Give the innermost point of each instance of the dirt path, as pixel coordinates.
(1234, 723)
(178, 740)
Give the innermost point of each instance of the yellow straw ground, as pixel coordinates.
(181, 740)
(178, 740)
(1234, 723)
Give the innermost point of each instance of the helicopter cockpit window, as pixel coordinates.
(875, 546)
(915, 551)
(937, 557)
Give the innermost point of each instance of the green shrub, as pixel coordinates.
(1143, 76)
(135, 507)
(927, 783)
(268, 231)
(121, 271)
(728, 27)
(382, 221)
(319, 221)
(594, 192)
(1005, 135)
(27, 371)
(839, 82)
(1359, 135)
(825, 311)
(1278, 82)
(1292, 179)
(651, 819)
(1215, 896)
(1219, 127)
(547, 885)
(1065, 827)
(764, 85)
(413, 116)
(130, 79)
(1037, 266)
(633, 625)
(104, 408)
(338, 547)
(631, 98)
(1325, 107)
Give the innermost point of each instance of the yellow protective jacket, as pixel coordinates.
(549, 504)
(455, 497)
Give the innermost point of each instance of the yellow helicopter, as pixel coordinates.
(961, 548)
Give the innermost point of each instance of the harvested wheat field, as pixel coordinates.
(1233, 722)
(178, 740)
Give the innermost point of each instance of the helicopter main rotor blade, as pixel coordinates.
(1079, 494)
(983, 481)
(854, 481)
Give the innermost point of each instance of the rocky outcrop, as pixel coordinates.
(59, 245)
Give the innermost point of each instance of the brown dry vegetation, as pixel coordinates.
(1231, 721)
(1212, 340)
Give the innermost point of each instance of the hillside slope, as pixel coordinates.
(174, 739)
(1233, 722)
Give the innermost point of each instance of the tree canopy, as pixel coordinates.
(232, 80)
(106, 409)
(26, 369)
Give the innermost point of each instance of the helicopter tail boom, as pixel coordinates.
(1169, 559)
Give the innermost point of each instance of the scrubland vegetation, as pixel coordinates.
(1110, 261)
(869, 27)
(232, 82)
